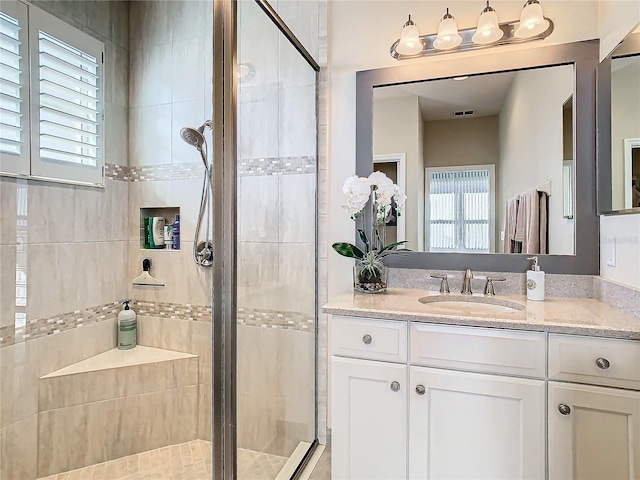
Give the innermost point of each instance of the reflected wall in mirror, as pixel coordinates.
(625, 126)
(488, 158)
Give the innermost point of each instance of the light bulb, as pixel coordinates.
(410, 42)
(448, 36)
(532, 21)
(488, 30)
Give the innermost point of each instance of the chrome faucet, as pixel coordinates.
(466, 283)
(444, 285)
(489, 291)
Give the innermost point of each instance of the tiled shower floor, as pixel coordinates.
(185, 461)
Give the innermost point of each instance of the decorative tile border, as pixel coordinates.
(276, 166)
(275, 319)
(167, 171)
(41, 327)
(197, 313)
(116, 172)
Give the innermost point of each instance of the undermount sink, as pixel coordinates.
(467, 304)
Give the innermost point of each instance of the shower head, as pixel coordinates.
(194, 136)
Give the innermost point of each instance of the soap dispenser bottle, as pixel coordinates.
(127, 327)
(535, 281)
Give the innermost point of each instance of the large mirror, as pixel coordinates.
(472, 139)
(488, 160)
(622, 143)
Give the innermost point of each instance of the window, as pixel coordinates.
(64, 140)
(460, 204)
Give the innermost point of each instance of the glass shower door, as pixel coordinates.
(276, 255)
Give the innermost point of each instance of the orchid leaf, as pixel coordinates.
(391, 246)
(348, 250)
(363, 237)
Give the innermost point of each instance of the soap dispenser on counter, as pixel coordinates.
(127, 328)
(535, 281)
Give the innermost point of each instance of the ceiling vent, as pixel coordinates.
(464, 113)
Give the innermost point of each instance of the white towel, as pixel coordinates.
(528, 221)
(511, 215)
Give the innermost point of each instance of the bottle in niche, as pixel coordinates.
(535, 281)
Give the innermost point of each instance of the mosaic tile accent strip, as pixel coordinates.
(275, 319)
(276, 166)
(41, 327)
(167, 171)
(116, 172)
(198, 313)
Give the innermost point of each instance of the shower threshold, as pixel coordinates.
(189, 460)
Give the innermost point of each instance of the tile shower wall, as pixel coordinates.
(277, 170)
(63, 255)
(170, 87)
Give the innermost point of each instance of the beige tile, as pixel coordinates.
(150, 24)
(258, 209)
(150, 134)
(150, 75)
(19, 385)
(186, 194)
(81, 388)
(9, 188)
(8, 259)
(204, 413)
(190, 19)
(187, 70)
(83, 435)
(297, 121)
(297, 277)
(258, 120)
(297, 206)
(18, 449)
(118, 203)
(51, 212)
(116, 134)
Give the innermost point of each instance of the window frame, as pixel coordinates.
(29, 164)
(491, 168)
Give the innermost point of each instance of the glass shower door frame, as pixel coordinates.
(224, 212)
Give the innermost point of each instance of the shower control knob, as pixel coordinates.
(564, 409)
(603, 363)
(395, 386)
(420, 390)
(367, 339)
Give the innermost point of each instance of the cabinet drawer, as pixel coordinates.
(369, 338)
(599, 361)
(478, 349)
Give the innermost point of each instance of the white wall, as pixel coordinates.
(396, 129)
(360, 34)
(616, 18)
(531, 156)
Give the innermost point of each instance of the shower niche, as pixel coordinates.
(160, 223)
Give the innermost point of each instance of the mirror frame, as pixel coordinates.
(584, 57)
(630, 45)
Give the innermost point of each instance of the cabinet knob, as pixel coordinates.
(564, 409)
(420, 390)
(367, 339)
(603, 363)
(395, 386)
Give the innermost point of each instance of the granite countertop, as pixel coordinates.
(577, 316)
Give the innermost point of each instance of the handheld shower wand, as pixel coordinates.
(202, 251)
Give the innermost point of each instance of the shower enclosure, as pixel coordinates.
(223, 380)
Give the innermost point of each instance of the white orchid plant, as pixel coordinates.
(383, 193)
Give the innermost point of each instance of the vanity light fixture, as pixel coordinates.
(448, 36)
(488, 33)
(409, 43)
(532, 22)
(488, 30)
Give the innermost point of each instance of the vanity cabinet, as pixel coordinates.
(594, 432)
(369, 439)
(471, 425)
(430, 401)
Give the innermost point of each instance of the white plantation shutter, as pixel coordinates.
(14, 91)
(67, 101)
(460, 210)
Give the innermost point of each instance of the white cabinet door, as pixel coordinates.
(369, 419)
(594, 433)
(475, 426)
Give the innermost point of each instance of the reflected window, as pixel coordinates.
(459, 203)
